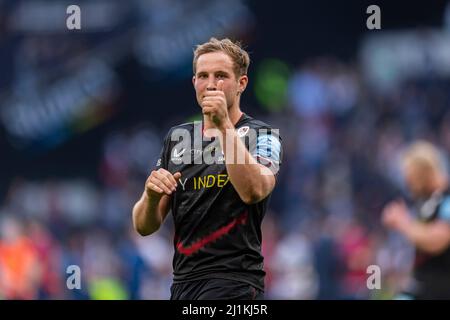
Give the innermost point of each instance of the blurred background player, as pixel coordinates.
(427, 180)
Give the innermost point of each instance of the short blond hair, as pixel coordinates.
(424, 155)
(234, 50)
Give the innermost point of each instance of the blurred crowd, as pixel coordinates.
(321, 232)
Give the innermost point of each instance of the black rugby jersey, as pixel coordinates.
(217, 235)
(431, 273)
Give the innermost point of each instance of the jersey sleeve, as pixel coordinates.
(162, 161)
(268, 150)
(444, 210)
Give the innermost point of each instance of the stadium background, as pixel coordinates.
(83, 114)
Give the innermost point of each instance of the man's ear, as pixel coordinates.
(193, 80)
(243, 81)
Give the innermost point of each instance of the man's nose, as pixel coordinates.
(212, 85)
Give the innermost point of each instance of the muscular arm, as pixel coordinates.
(432, 238)
(252, 181)
(149, 214)
(152, 208)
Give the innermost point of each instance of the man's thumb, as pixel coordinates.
(220, 85)
(177, 175)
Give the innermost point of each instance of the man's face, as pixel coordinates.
(418, 180)
(215, 66)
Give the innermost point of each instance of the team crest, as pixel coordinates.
(242, 131)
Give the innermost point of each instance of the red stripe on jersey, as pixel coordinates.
(196, 246)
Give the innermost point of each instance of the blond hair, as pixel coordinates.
(425, 156)
(234, 50)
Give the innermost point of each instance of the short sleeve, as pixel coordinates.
(444, 210)
(162, 161)
(268, 151)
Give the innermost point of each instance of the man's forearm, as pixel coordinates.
(243, 170)
(429, 238)
(146, 216)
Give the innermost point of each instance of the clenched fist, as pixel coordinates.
(214, 104)
(161, 182)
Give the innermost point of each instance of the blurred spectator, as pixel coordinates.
(20, 267)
